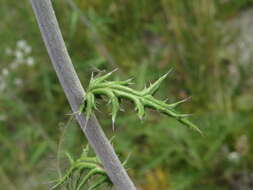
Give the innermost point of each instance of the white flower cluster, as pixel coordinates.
(22, 56)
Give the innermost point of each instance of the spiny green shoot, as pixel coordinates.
(85, 167)
(116, 90)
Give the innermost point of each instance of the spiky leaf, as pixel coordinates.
(141, 99)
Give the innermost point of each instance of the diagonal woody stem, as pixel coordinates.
(74, 91)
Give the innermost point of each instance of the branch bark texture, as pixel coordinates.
(74, 91)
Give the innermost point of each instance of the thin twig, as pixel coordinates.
(74, 91)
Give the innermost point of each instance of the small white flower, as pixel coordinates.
(18, 82)
(5, 72)
(27, 49)
(19, 55)
(8, 51)
(30, 61)
(21, 44)
(234, 157)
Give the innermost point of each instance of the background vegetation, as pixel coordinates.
(204, 43)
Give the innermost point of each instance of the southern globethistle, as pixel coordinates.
(116, 90)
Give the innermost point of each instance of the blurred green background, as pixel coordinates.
(208, 43)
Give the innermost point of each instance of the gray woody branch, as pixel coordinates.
(74, 91)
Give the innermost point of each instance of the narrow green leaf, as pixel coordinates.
(155, 86)
(71, 160)
(190, 124)
(173, 105)
(99, 182)
(103, 78)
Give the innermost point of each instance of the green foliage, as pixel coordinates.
(116, 90)
(84, 169)
(145, 38)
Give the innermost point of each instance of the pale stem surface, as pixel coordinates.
(74, 91)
